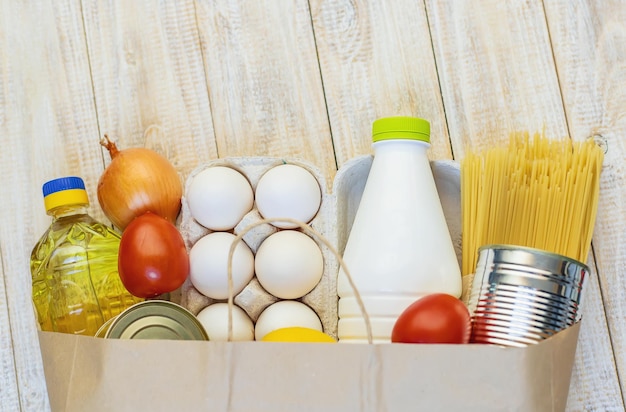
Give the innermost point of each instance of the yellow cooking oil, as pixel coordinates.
(76, 285)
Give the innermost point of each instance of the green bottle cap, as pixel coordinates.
(401, 127)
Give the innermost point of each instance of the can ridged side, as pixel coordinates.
(101, 333)
(521, 295)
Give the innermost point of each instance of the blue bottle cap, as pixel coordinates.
(64, 191)
(63, 183)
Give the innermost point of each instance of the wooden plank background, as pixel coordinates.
(198, 80)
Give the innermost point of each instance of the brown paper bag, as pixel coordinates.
(91, 374)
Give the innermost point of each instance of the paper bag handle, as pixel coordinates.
(311, 232)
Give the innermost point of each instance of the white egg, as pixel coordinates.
(289, 264)
(284, 314)
(288, 191)
(208, 261)
(219, 197)
(214, 318)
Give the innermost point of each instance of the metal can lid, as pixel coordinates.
(156, 319)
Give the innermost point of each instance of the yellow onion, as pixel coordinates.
(137, 181)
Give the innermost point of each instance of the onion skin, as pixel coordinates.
(138, 180)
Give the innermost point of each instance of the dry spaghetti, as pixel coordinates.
(535, 192)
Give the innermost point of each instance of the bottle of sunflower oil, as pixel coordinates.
(76, 286)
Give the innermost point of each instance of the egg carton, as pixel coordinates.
(333, 221)
(253, 299)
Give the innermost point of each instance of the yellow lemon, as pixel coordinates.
(298, 334)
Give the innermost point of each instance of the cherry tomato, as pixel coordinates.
(435, 318)
(152, 256)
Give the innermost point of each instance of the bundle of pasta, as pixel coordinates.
(535, 192)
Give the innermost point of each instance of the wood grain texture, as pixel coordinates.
(589, 43)
(47, 116)
(9, 391)
(148, 78)
(377, 60)
(264, 81)
(496, 70)
(497, 76)
(594, 385)
(201, 79)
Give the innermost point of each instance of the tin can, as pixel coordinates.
(103, 329)
(156, 319)
(522, 295)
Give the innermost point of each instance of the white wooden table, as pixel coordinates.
(198, 80)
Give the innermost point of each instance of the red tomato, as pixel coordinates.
(435, 318)
(152, 257)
